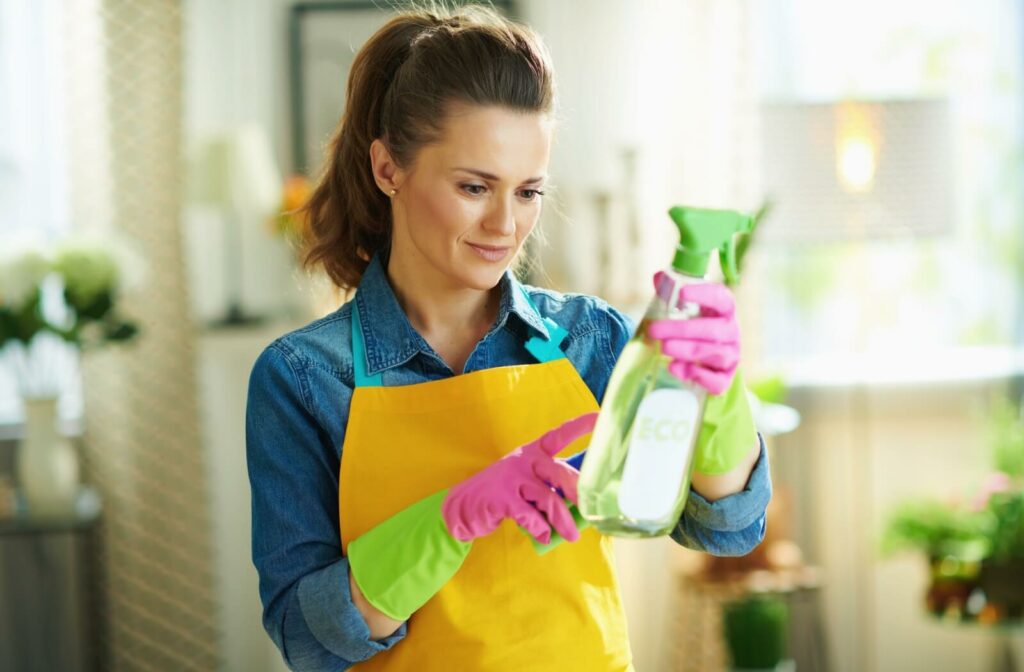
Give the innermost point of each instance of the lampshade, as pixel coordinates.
(235, 170)
(856, 170)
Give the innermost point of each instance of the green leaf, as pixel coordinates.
(94, 307)
(1007, 509)
(933, 527)
(1006, 436)
(118, 331)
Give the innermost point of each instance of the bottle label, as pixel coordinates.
(659, 451)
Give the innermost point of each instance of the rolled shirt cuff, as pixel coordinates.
(333, 619)
(737, 511)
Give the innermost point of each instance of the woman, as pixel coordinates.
(401, 448)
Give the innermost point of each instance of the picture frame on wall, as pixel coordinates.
(323, 40)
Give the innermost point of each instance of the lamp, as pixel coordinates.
(857, 170)
(234, 171)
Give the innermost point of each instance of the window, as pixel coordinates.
(903, 298)
(33, 160)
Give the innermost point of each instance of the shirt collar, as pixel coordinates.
(391, 340)
(514, 301)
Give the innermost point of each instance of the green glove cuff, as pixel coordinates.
(402, 562)
(728, 433)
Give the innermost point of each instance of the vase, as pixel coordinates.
(1003, 583)
(47, 464)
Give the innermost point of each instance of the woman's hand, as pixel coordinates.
(521, 486)
(705, 349)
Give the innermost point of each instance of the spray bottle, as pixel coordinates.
(636, 475)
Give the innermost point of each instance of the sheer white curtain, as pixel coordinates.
(33, 158)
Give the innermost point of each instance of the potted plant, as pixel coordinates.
(975, 548)
(62, 293)
(953, 538)
(756, 629)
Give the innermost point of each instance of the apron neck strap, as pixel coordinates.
(544, 350)
(362, 379)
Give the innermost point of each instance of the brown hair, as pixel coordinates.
(400, 85)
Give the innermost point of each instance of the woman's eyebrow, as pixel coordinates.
(495, 178)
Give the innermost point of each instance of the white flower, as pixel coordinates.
(86, 272)
(92, 265)
(24, 263)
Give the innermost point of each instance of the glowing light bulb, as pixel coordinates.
(856, 164)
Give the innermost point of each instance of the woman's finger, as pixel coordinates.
(715, 356)
(714, 382)
(714, 298)
(531, 520)
(553, 507)
(554, 441)
(558, 475)
(713, 329)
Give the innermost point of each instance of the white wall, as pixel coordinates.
(236, 71)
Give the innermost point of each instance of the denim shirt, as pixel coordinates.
(299, 394)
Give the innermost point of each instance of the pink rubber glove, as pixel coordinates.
(705, 349)
(520, 486)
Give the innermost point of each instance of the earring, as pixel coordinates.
(393, 192)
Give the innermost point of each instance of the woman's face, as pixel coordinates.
(470, 200)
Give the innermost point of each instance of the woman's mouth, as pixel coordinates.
(490, 252)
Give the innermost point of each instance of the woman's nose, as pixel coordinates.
(501, 219)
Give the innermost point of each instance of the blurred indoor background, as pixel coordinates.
(148, 148)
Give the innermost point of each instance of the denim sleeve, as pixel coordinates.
(296, 543)
(620, 329)
(733, 525)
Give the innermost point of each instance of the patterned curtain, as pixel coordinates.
(142, 448)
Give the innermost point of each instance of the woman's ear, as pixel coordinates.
(386, 172)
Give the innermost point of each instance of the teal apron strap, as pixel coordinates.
(359, 354)
(545, 350)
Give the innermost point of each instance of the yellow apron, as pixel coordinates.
(507, 609)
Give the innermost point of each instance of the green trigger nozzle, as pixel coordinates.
(703, 231)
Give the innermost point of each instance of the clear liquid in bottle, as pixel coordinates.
(636, 476)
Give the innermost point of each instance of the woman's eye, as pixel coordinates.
(531, 194)
(474, 189)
